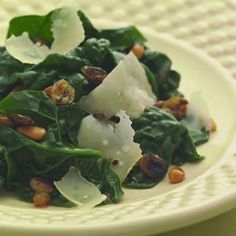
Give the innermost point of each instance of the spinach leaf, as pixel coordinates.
(122, 38)
(38, 27)
(28, 158)
(63, 64)
(58, 200)
(167, 80)
(137, 180)
(101, 175)
(90, 30)
(98, 53)
(70, 117)
(159, 132)
(8, 66)
(198, 133)
(2, 183)
(24, 193)
(152, 80)
(35, 104)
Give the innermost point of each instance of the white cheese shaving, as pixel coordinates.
(68, 33)
(125, 88)
(115, 141)
(198, 114)
(74, 187)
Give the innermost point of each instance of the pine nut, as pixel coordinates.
(32, 132)
(176, 175)
(138, 50)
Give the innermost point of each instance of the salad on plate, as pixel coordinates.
(87, 112)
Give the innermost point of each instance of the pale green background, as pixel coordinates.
(222, 225)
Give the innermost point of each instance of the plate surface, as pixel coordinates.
(210, 187)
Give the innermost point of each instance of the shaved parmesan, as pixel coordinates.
(125, 88)
(115, 141)
(74, 187)
(198, 114)
(68, 33)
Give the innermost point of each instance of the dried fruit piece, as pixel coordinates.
(40, 185)
(62, 93)
(176, 175)
(41, 199)
(177, 106)
(5, 120)
(22, 120)
(95, 74)
(138, 50)
(48, 90)
(32, 132)
(153, 166)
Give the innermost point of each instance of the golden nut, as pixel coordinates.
(41, 199)
(213, 125)
(62, 93)
(138, 50)
(40, 185)
(176, 175)
(32, 132)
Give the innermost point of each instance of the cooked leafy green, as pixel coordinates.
(167, 80)
(155, 130)
(38, 28)
(120, 38)
(159, 132)
(136, 179)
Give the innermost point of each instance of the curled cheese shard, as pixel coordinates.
(198, 115)
(68, 33)
(125, 88)
(115, 141)
(74, 187)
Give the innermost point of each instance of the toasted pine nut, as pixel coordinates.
(32, 132)
(41, 199)
(40, 185)
(5, 120)
(213, 125)
(138, 50)
(176, 175)
(48, 90)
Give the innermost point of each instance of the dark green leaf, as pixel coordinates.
(38, 28)
(159, 132)
(98, 53)
(137, 180)
(58, 200)
(35, 104)
(90, 30)
(25, 193)
(167, 80)
(70, 117)
(124, 37)
(104, 178)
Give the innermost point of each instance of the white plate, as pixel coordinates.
(210, 187)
